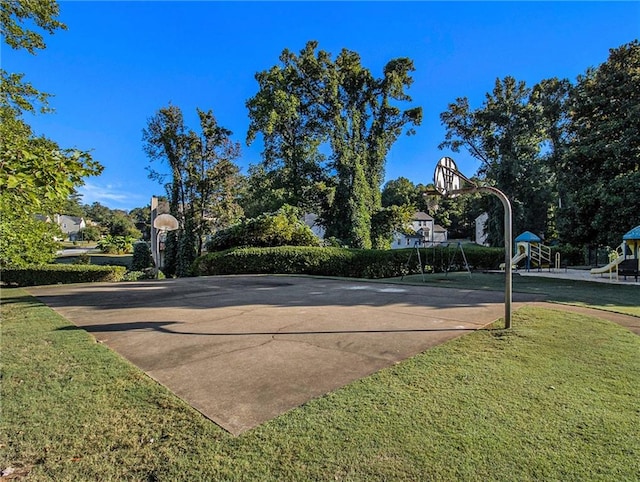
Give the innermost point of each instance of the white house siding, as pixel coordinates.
(70, 225)
(426, 233)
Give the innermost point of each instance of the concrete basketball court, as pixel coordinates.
(244, 349)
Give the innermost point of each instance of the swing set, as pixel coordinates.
(448, 259)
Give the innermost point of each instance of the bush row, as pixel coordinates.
(354, 263)
(60, 274)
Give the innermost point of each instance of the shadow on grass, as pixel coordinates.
(12, 296)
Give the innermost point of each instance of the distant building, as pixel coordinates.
(422, 230)
(70, 226)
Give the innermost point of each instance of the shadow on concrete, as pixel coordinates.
(266, 290)
(160, 326)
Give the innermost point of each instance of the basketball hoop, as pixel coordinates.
(448, 181)
(162, 224)
(446, 177)
(165, 222)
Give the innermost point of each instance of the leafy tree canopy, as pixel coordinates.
(36, 174)
(327, 126)
(282, 228)
(203, 184)
(507, 135)
(600, 172)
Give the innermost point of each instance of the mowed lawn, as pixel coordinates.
(555, 398)
(618, 298)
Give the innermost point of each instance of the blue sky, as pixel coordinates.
(119, 62)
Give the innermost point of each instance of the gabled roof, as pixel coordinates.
(421, 216)
(71, 219)
(439, 229)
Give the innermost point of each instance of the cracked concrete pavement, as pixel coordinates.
(244, 349)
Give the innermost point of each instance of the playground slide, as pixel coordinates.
(608, 268)
(517, 258)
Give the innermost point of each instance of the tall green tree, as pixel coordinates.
(141, 217)
(73, 206)
(600, 172)
(551, 96)
(507, 135)
(261, 192)
(214, 176)
(386, 221)
(287, 112)
(364, 122)
(203, 180)
(311, 105)
(36, 175)
(399, 192)
(123, 225)
(100, 214)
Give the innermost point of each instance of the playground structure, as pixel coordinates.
(624, 261)
(531, 250)
(621, 260)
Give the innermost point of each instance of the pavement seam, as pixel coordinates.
(330, 349)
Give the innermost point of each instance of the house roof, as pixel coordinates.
(439, 229)
(72, 219)
(633, 234)
(421, 216)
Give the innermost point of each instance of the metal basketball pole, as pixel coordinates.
(449, 181)
(508, 246)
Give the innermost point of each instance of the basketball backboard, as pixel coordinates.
(446, 178)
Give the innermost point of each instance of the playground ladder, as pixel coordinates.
(541, 254)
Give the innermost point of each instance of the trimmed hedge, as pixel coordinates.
(351, 263)
(61, 274)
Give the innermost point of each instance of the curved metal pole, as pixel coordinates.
(508, 247)
(157, 251)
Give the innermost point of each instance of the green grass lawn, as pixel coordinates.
(555, 398)
(611, 297)
(100, 258)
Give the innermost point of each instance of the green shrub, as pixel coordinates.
(148, 273)
(116, 244)
(330, 261)
(282, 228)
(335, 261)
(60, 274)
(142, 258)
(90, 233)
